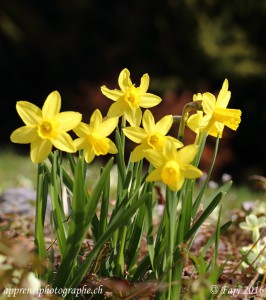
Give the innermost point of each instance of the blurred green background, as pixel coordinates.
(186, 46)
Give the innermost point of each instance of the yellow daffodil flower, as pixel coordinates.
(217, 115)
(195, 120)
(151, 136)
(172, 166)
(129, 99)
(45, 127)
(93, 137)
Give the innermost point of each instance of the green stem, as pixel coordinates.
(195, 105)
(171, 203)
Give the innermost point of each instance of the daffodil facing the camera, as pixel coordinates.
(151, 136)
(93, 136)
(217, 115)
(129, 99)
(173, 166)
(46, 127)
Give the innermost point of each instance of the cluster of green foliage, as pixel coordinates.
(195, 43)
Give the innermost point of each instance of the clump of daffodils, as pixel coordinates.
(118, 227)
(173, 162)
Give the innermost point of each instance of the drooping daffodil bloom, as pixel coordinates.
(151, 136)
(172, 166)
(217, 115)
(129, 99)
(45, 127)
(93, 136)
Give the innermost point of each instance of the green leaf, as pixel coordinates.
(199, 198)
(41, 203)
(185, 215)
(135, 238)
(204, 216)
(76, 231)
(124, 216)
(149, 226)
(104, 207)
(97, 191)
(212, 238)
(57, 207)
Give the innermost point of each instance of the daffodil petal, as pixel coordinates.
(224, 95)
(190, 171)
(148, 122)
(111, 94)
(40, 149)
(208, 103)
(216, 129)
(155, 175)
(154, 157)
(89, 154)
(107, 126)
(51, 106)
(29, 113)
(24, 135)
(133, 116)
(139, 152)
(144, 83)
(96, 120)
(80, 143)
(176, 142)
(223, 102)
(169, 150)
(164, 125)
(186, 154)
(124, 80)
(117, 109)
(149, 100)
(68, 120)
(194, 121)
(64, 142)
(205, 121)
(112, 147)
(82, 129)
(135, 134)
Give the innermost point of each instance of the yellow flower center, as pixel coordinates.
(229, 117)
(170, 173)
(47, 129)
(156, 141)
(132, 97)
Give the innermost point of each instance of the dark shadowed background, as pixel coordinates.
(186, 46)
